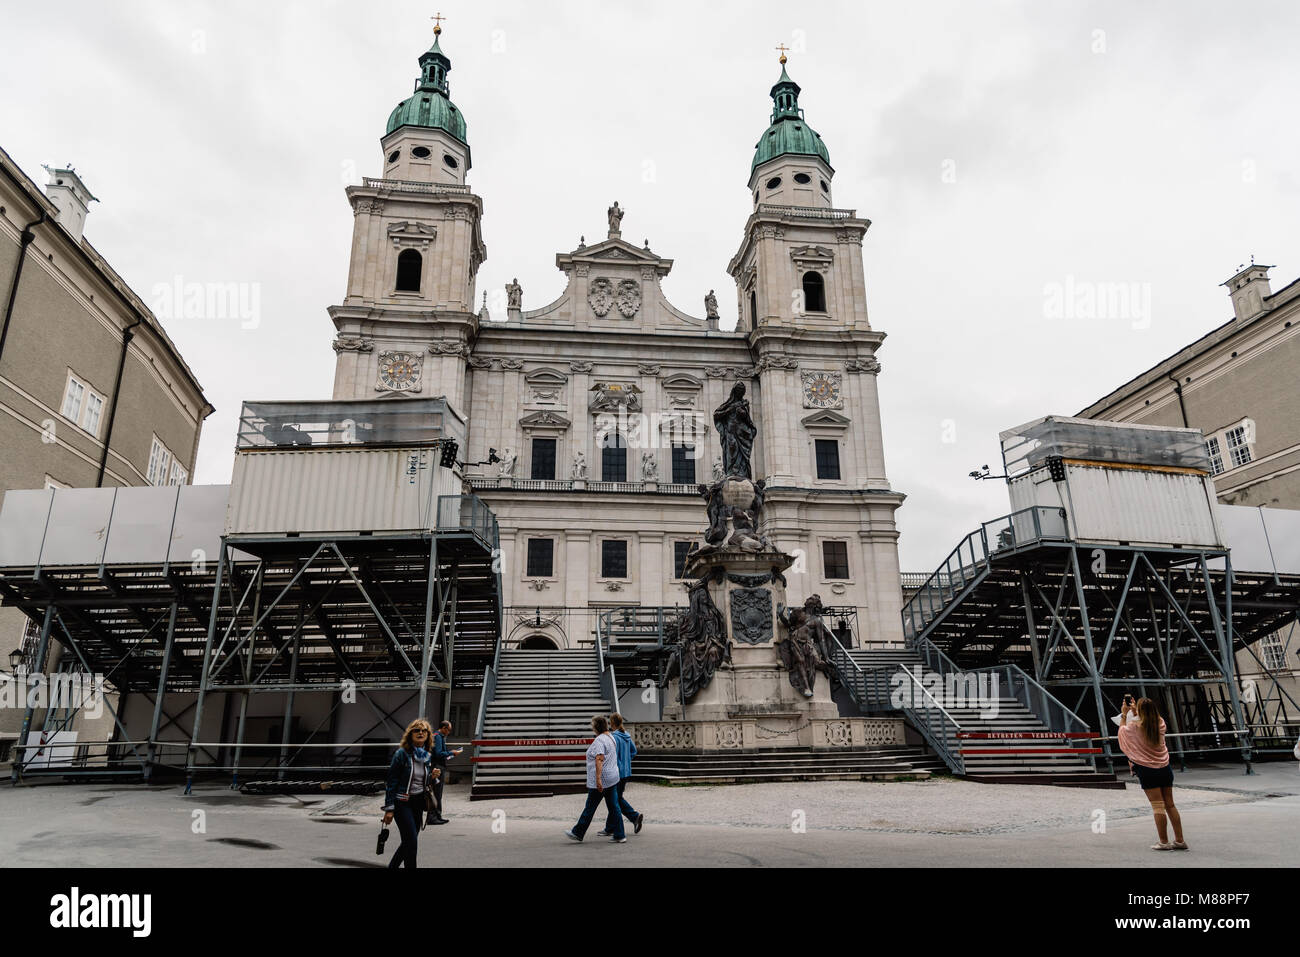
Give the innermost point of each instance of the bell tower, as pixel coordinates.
(408, 320)
(802, 289)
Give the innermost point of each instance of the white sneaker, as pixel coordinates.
(571, 836)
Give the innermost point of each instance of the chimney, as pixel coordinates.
(66, 191)
(1248, 289)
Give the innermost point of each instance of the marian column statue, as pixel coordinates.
(736, 433)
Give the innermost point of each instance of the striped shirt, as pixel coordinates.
(1134, 744)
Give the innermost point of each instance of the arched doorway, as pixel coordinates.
(539, 643)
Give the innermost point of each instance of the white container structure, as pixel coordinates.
(1115, 482)
(343, 467)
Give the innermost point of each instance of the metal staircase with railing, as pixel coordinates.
(535, 721)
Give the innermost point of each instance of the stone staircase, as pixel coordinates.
(754, 767)
(1011, 717)
(539, 694)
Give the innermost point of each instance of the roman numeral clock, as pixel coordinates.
(399, 372)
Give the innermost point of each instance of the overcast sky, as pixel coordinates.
(1005, 153)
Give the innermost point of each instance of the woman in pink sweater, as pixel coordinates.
(1144, 745)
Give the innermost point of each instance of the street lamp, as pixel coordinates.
(15, 659)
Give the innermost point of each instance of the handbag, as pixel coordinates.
(383, 839)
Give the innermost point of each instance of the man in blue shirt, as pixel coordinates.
(626, 752)
(441, 755)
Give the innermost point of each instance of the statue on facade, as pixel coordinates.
(507, 467)
(702, 643)
(649, 467)
(514, 294)
(615, 220)
(711, 305)
(736, 432)
(579, 465)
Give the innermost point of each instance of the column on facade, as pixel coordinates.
(880, 620)
(577, 568)
(651, 573)
(870, 433)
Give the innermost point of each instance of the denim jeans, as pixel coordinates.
(408, 826)
(613, 823)
(622, 801)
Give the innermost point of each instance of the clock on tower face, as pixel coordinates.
(821, 390)
(399, 371)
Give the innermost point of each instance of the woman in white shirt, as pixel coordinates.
(602, 784)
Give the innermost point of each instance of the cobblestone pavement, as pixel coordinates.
(1231, 819)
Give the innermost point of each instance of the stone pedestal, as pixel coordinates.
(747, 587)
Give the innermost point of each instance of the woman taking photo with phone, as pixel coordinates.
(409, 793)
(1144, 744)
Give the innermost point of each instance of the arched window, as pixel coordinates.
(814, 292)
(753, 310)
(613, 458)
(408, 271)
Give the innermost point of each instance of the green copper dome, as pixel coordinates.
(788, 134)
(430, 105)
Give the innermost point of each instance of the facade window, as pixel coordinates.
(178, 475)
(613, 558)
(684, 464)
(679, 558)
(160, 463)
(541, 557)
(82, 405)
(1274, 652)
(1238, 448)
(835, 557)
(543, 459)
(613, 459)
(753, 310)
(409, 264)
(1216, 455)
(814, 292)
(828, 458)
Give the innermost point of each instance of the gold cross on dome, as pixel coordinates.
(437, 22)
(783, 48)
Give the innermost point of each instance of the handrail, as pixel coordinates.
(923, 720)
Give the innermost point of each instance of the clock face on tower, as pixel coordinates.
(821, 390)
(399, 371)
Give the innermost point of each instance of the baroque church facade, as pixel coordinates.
(590, 418)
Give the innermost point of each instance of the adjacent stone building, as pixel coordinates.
(93, 393)
(590, 417)
(1238, 385)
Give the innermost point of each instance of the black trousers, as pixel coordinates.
(408, 826)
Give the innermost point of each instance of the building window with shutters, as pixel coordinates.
(679, 558)
(543, 459)
(82, 405)
(828, 458)
(541, 557)
(1238, 446)
(835, 559)
(684, 464)
(1216, 455)
(613, 558)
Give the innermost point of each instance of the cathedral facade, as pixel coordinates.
(590, 418)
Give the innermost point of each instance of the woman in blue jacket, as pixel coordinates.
(409, 792)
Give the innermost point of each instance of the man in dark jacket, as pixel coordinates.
(441, 755)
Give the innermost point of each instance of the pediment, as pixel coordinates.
(546, 376)
(544, 420)
(682, 382)
(826, 419)
(613, 251)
